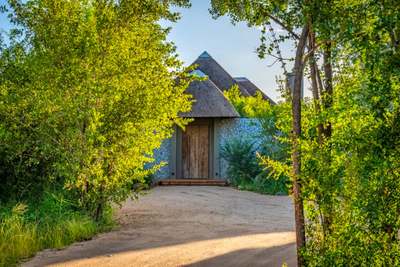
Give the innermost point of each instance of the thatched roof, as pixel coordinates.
(209, 101)
(218, 75)
(252, 88)
(208, 96)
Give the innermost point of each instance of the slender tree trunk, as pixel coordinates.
(296, 133)
(100, 205)
(328, 84)
(328, 130)
(103, 199)
(315, 85)
(320, 84)
(316, 88)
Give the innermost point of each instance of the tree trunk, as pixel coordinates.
(296, 133)
(328, 85)
(327, 104)
(315, 85)
(100, 207)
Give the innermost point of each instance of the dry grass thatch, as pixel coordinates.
(209, 101)
(252, 89)
(220, 77)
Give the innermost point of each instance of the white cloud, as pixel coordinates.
(275, 29)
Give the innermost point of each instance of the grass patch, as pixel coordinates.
(23, 234)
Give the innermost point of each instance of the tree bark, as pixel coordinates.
(296, 133)
(315, 85)
(328, 85)
(328, 101)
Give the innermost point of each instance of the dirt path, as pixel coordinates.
(190, 226)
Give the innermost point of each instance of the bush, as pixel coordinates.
(242, 159)
(244, 165)
(87, 119)
(244, 168)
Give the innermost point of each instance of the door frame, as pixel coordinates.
(176, 148)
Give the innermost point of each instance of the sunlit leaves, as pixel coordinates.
(91, 88)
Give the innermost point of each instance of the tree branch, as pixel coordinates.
(311, 52)
(284, 27)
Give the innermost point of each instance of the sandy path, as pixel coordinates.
(190, 226)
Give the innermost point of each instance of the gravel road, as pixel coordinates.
(190, 226)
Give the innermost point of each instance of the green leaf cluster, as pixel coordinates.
(246, 160)
(349, 142)
(87, 91)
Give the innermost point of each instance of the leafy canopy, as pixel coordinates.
(87, 92)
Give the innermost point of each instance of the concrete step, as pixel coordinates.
(208, 182)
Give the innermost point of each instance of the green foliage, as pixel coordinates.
(244, 168)
(359, 189)
(25, 230)
(350, 182)
(250, 107)
(242, 159)
(149, 179)
(349, 179)
(273, 148)
(139, 185)
(265, 183)
(267, 116)
(86, 92)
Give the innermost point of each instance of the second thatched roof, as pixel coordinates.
(209, 100)
(252, 88)
(220, 77)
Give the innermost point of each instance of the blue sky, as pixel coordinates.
(232, 46)
(4, 21)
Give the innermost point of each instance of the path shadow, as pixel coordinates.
(261, 257)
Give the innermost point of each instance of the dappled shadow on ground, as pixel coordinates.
(178, 226)
(272, 256)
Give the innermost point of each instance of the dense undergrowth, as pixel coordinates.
(82, 108)
(54, 222)
(244, 155)
(245, 171)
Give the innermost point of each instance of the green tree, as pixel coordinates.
(87, 91)
(345, 146)
(291, 16)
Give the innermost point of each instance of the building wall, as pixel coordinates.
(163, 154)
(242, 128)
(230, 128)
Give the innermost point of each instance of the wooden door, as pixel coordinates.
(196, 152)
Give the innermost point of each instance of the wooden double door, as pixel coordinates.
(196, 152)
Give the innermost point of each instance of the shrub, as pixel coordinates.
(242, 159)
(273, 145)
(244, 168)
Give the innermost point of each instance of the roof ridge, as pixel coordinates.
(204, 64)
(241, 79)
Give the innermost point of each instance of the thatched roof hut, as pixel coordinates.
(252, 88)
(209, 100)
(195, 150)
(220, 77)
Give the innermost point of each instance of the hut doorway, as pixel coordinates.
(196, 152)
